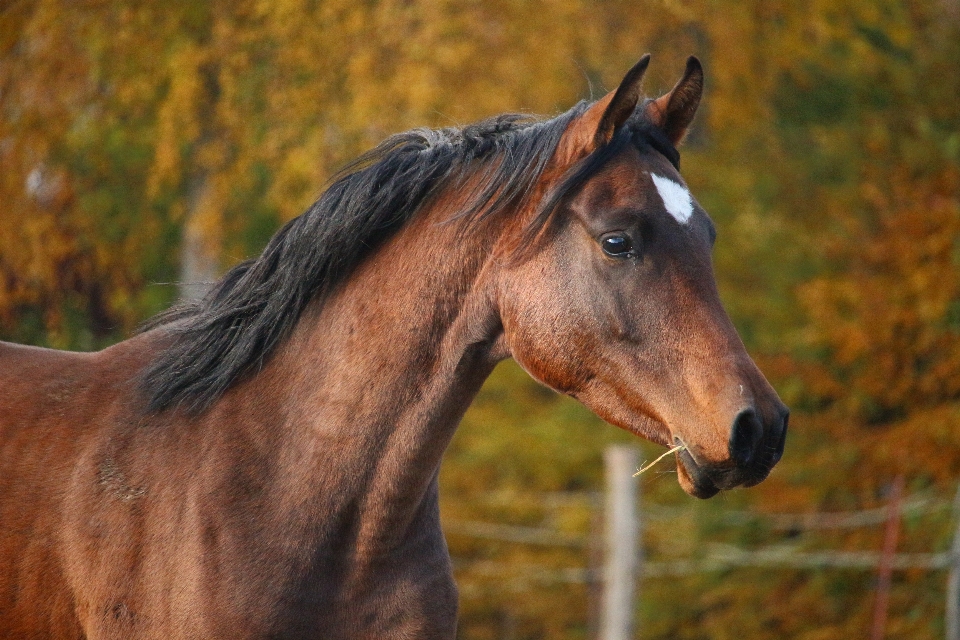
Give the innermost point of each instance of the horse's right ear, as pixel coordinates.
(623, 103)
(598, 124)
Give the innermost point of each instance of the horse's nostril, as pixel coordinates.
(782, 437)
(744, 437)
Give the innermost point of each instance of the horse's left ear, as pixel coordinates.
(674, 111)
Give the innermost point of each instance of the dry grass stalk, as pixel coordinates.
(679, 447)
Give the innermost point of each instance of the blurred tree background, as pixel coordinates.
(148, 143)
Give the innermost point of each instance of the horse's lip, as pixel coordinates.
(703, 485)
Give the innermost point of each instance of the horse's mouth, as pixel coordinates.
(693, 478)
(701, 482)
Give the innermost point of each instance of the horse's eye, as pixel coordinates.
(617, 245)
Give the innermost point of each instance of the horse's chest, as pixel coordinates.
(409, 594)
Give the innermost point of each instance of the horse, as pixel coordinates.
(263, 462)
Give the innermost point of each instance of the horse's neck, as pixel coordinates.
(375, 382)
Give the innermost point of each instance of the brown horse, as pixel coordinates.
(263, 463)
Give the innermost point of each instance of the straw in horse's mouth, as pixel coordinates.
(679, 447)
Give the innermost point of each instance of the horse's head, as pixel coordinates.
(616, 304)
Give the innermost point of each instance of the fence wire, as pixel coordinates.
(714, 557)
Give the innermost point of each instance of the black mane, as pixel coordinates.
(237, 326)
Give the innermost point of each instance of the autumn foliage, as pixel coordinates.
(144, 143)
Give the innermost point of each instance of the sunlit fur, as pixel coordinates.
(265, 463)
(235, 329)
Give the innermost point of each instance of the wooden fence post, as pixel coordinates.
(622, 525)
(953, 579)
(596, 553)
(885, 572)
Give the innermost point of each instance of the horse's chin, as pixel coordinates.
(692, 478)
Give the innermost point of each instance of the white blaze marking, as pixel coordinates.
(675, 198)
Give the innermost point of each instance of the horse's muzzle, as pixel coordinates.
(754, 448)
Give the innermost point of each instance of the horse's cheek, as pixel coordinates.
(546, 347)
